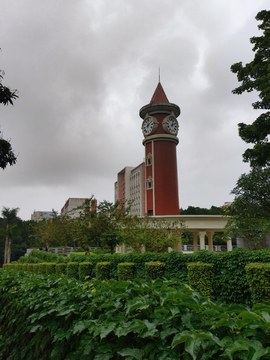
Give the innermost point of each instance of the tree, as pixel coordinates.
(250, 211)
(256, 76)
(7, 155)
(191, 210)
(6, 95)
(150, 234)
(10, 218)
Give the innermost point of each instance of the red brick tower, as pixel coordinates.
(160, 128)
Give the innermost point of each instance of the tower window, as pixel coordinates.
(149, 159)
(149, 183)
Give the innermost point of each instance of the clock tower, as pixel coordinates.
(160, 129)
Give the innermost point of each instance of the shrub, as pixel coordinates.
(200, 277)
(50, 268)
(61, 268)
(30, 267)
(85, 269)
(154, 269)
(43, 268)
(103, 270)
(35, 268)
(7, 266)
(73, 270)
(125, 271)
(44, 317)
(258, 276)
(24, 267)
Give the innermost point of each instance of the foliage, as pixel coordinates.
(154, 269)
(61, 268)
(150, 234)
(229, 282)
(255, 76)
(103, 270)
(85, 269)
(10, 222)
(43, 268)
(30, 267)
(125, 271)
(50, 268)
(200, 278)
(192, 210)
(59, 230)
(73, 270)
(6, 95)
(47, 317)
(99, 225)
(7, 155)
(258, 276)
(250, 211)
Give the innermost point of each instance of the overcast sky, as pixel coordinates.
(83, 70)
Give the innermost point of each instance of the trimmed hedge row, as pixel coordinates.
(200, 277)
(229, 282)
(258, 276)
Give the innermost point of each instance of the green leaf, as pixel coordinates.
(248, 315)
(106, 330)
(103, 356)
(135, 353)
(180, 338)
(257, 354)
(193, 346)
(167, 332)
(80, 326)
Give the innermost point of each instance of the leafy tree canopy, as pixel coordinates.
(7, 155)
(250, 211)
(6, 95)
(192, 210)
(255, 76)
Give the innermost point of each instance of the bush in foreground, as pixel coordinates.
(52, 317)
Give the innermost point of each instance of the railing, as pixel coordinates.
(216, 248)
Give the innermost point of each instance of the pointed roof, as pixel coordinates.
(159, 95)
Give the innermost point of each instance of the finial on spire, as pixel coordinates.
(159, 74)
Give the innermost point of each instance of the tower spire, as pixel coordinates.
(159, 95)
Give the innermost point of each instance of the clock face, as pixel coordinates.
(147, 125)
(172, 125)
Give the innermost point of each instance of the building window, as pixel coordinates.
(149, 183)
(149, 160)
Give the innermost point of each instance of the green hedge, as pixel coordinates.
(125, 271)
(35, 268)
(85, 269)
(43, 268)
(154, 269)
(30, 267)
(229, 283)
(103, 270)
(61, 268)
(258, 276)
(200, 277)
(50, 268)
(73, 270)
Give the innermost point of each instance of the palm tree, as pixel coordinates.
(10, 217)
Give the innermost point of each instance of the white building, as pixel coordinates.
(42, 215)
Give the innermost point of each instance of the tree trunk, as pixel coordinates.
(6, 250)
(9, 251)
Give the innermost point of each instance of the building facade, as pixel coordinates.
(130, 187)
(42, 215)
